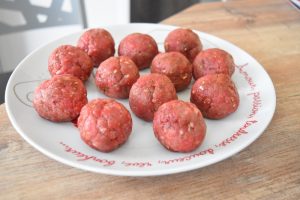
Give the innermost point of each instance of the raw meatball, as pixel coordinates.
(174, 65)
(98, 44)
(141, 48)
(213, 61)
(104, 124)
(116, 75)
(184, 41)
(215, 95)
(60, 98)
(179, 126)
(68, 59)
(148, 93)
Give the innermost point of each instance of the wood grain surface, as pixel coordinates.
(267, 169)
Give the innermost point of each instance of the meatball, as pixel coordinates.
(141, 48)
(116, 75)
(60, 98)
(213, 61)
(179, 126)
(148, 93)
(98, 44)
(67, 59)
(184, 41)
(215, 95)
(174, 65)
(104, 124)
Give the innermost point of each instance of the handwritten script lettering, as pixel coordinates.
(83, 157)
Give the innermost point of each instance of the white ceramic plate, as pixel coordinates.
(142, 154)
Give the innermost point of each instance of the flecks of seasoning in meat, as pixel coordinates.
(191, 126)
(207, 102)
(167, 46)
(181, 132)
(184, 76)
(150, 91)
(233, 101)
(70, 53)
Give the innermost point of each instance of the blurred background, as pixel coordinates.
(28, 24)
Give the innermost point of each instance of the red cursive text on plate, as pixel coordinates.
(84, 157)
(136, 164)
(256, 103)
(246, 75)
(242, 130)
(186, 158)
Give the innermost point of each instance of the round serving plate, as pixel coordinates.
(142, 154)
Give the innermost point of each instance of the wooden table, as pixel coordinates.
(268, 169)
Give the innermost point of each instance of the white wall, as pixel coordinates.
(15, 46)
(107, 12)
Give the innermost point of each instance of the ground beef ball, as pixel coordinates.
(60, 98)
(179, 126)
(148, 93)
(213, 61)
(116, 75)
(141, 48)
(174, 65)
(215, 95)
(67, 59)
(185, 41)
(104, 124)
(98, 44)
